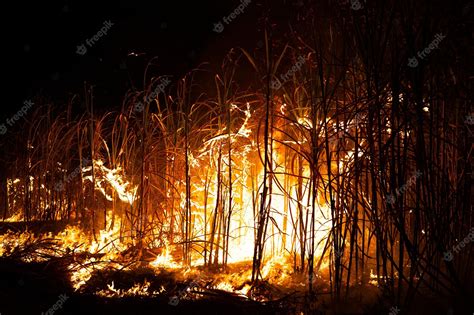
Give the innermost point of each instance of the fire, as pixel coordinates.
(165, 260)
(114, 178)
(138, 289)
(222, 210)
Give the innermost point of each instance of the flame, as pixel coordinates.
(138, 289)
(236, 150)
(165, 260)
(114, 178)
(17, 217)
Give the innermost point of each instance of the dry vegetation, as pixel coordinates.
(302, 173)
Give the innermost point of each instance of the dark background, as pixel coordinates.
(40, 39)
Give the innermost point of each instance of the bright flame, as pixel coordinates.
(114, 178)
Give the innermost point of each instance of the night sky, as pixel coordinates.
(42, 48)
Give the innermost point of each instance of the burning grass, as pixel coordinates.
(266, 195)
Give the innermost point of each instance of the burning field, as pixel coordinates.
(315, 174)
